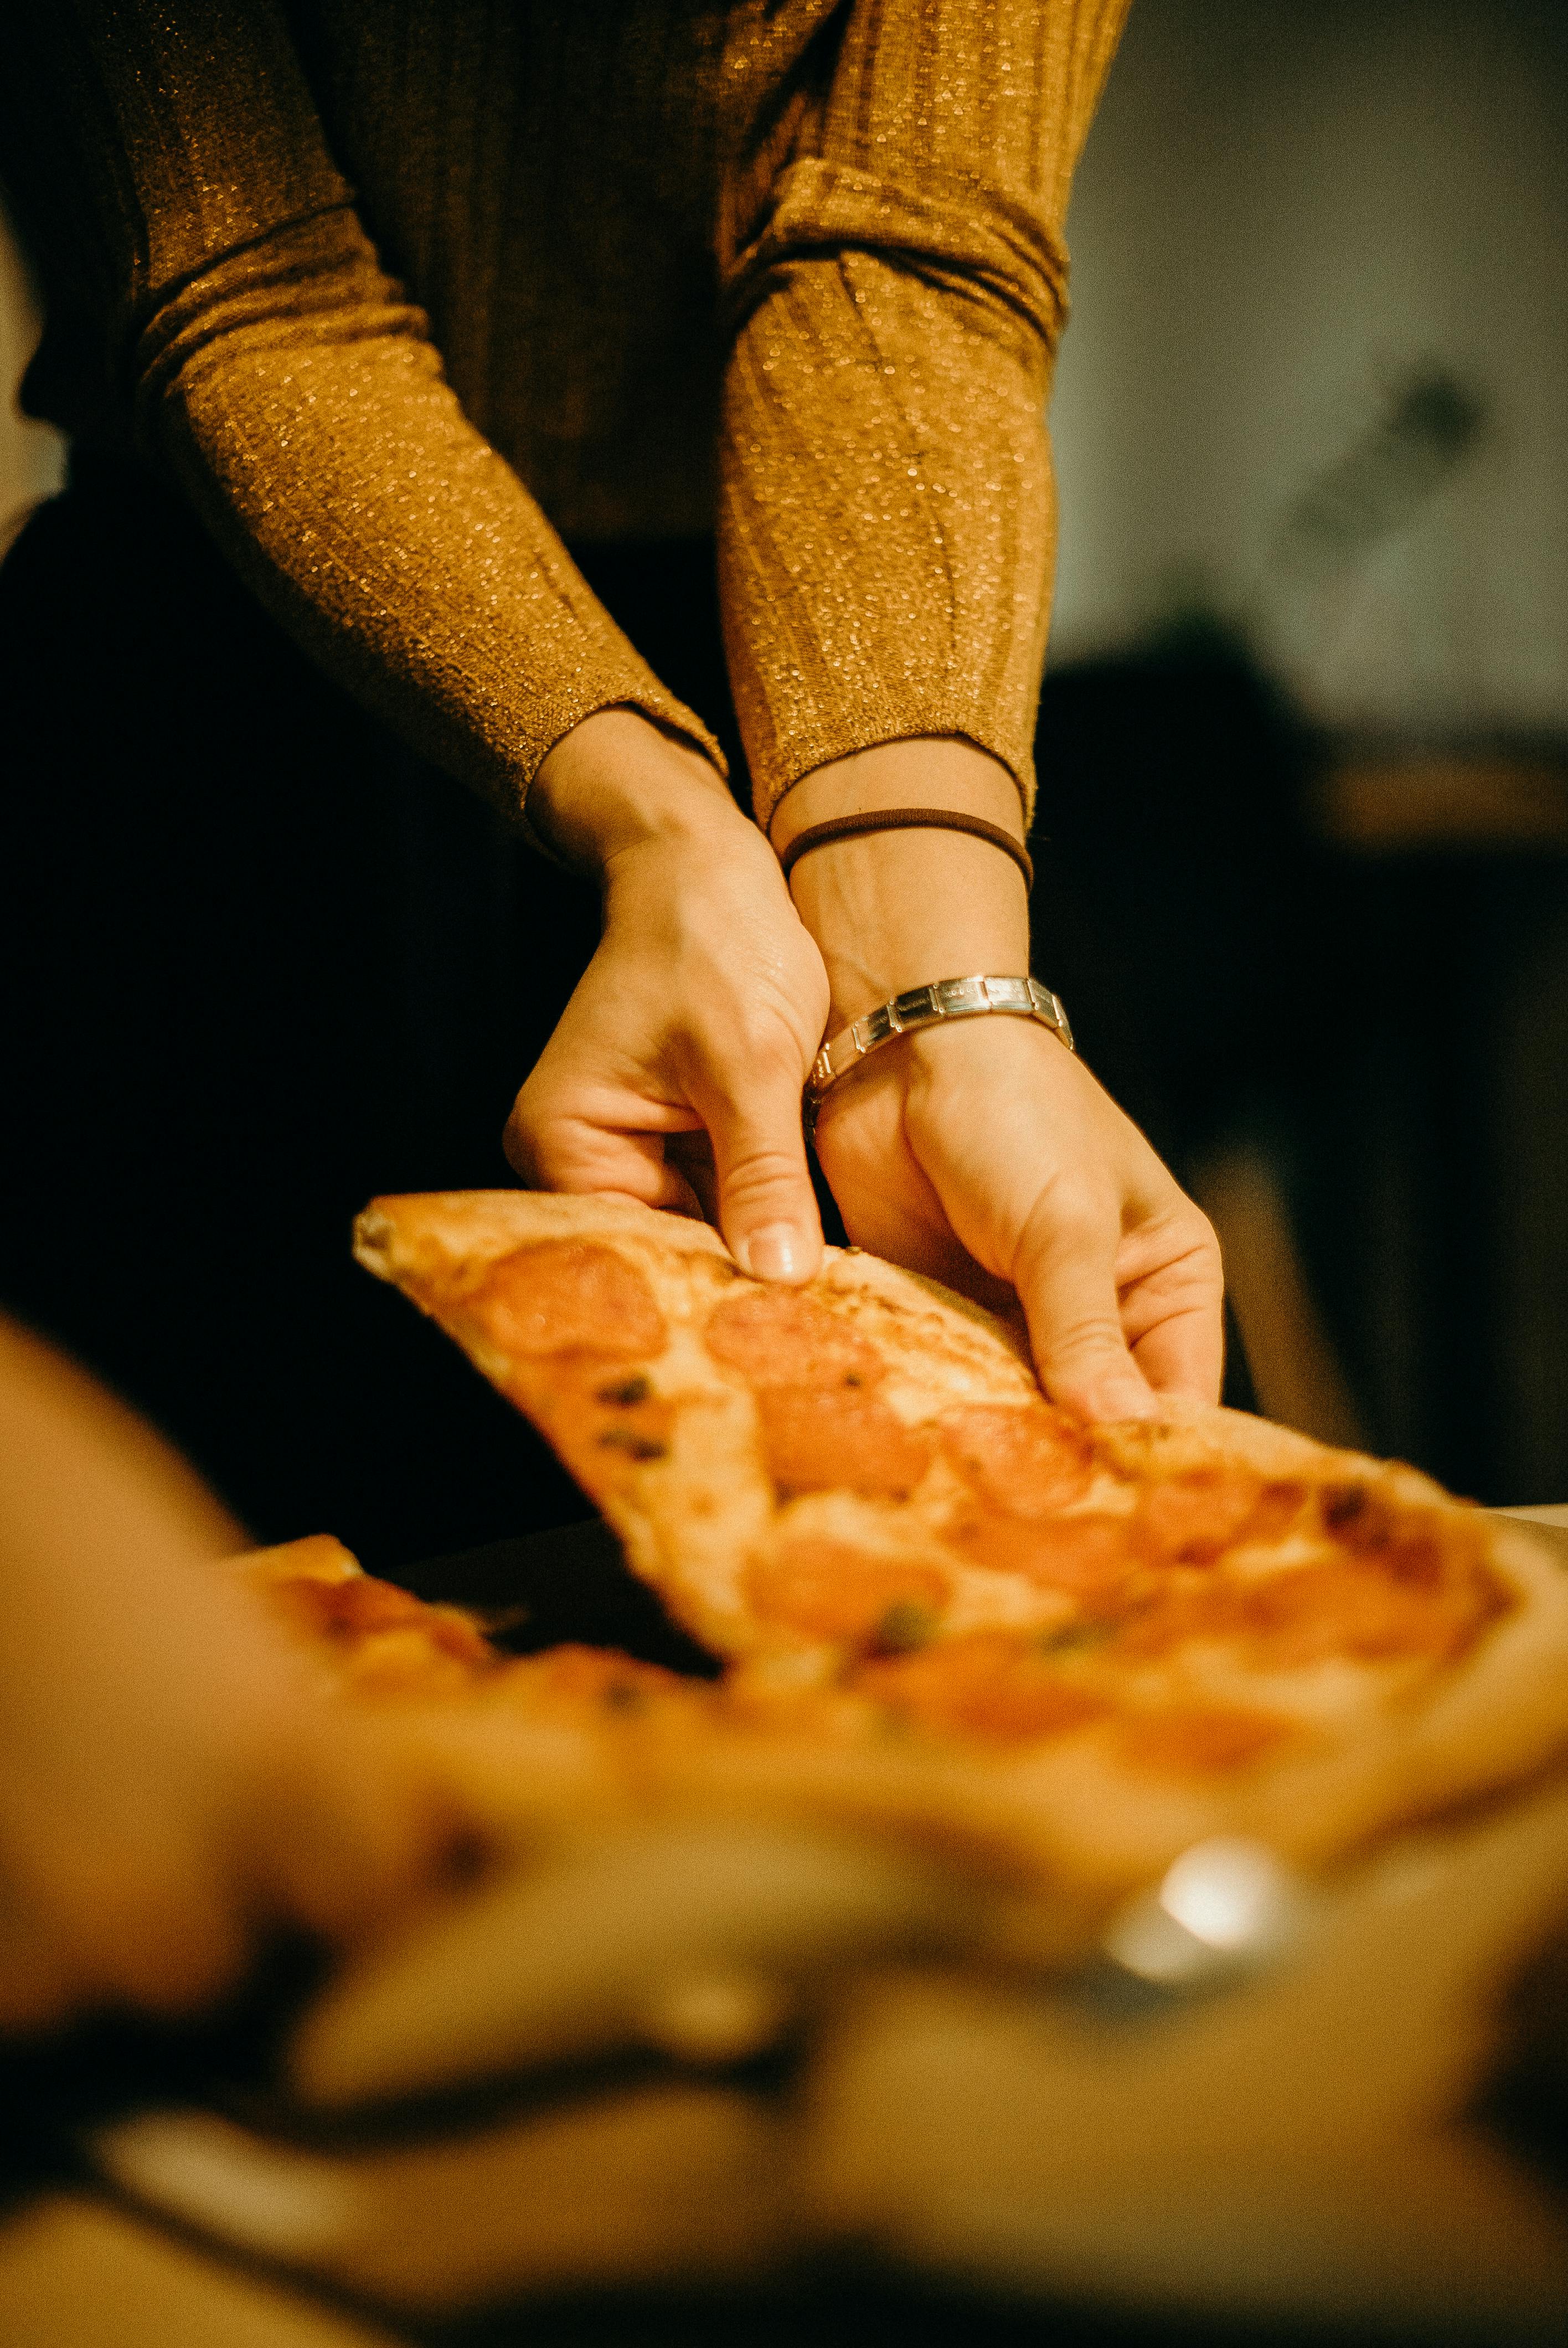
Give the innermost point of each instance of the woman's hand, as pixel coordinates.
(984, 1153)
(675, 1074)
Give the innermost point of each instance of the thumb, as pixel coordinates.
(767, 1207)
(1066, 1280)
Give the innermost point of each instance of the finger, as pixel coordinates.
(1065, 1272)
(1185, 1354)
(553, 1122)
(574, 1154)
(1172, 1313)
(767, 1207)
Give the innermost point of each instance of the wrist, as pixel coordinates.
(893, 919)
(617, 781)
(927, 770)
(945, 1009)
(898, 909)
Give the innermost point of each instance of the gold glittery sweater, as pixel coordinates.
(401, 293)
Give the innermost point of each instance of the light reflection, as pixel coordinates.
(1223, 1904)
(1228, 1893)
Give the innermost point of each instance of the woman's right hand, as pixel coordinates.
(675, 1074)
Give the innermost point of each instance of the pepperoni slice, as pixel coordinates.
(1207, 1740)
(1024, 1461)
(1275, 1511)
(1088, 1556)
(986, 1684)
(829, 1591)
(1333, 1610)
(777, 1337)
(1174, 1615)
(563, 1296)
(1189, 1520)
(817, 1439)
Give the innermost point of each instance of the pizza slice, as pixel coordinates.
(745, 1441)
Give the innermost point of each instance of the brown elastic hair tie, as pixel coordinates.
(855, 827)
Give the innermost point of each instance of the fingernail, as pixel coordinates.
(773, 1252)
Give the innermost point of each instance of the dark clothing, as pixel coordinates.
(260, 961)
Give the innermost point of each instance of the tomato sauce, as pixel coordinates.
(1087, 1558)
(1201, 1739)
(1313, 1614)
(360, 1607)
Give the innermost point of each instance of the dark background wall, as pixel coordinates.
(1310, 424)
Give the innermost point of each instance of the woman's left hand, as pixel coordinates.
(983, 1152)
(986, 1156)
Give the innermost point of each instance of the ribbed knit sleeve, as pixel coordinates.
(886, 516)
(259, 354)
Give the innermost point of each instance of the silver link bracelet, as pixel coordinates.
(924, 1006)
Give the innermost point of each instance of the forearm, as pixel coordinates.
(330, 459)
(886, 514)
(886, 528)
